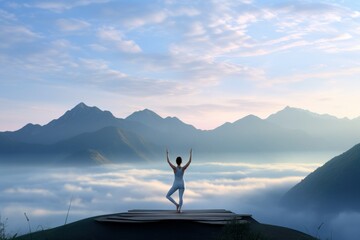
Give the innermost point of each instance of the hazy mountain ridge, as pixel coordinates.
(151, 119)
(111, 144)
(331, 188)
(337, 132)
(89, 131)
(80, 119)
(252, 133)
(168, 131)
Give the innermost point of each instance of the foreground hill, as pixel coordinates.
(331, 188)
(164, 230)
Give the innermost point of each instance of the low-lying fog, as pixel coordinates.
(243, 184)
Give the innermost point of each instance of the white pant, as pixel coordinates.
(181, 193)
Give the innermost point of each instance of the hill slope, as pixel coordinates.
(332, 187)
(90, 229)
(107, 145)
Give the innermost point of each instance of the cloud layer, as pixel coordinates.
(242, 186)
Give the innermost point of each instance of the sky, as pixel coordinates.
(206, 62)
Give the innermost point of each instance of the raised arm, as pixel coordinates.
(188, 163)
(167, 158)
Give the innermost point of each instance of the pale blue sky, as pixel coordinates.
(206, 62)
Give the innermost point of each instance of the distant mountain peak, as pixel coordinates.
(145, 114)
(248, 118)
(30, 125)
(81, 105)
(297, 113)
(293, 109)
(173, 119)
(148, 112)
(149, 118)
(82, 113)
(251, 116)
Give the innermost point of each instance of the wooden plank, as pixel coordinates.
(210, 216)
(182, 214)
(183, 218)
(137, 222)
(222, 222)
(174, 212)
(175, 218)
(194, 211)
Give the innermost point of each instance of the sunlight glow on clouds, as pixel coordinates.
(277, 167)
(190, 53)
(90, 188)
(241, 186)
(111, 188)
(27, 191)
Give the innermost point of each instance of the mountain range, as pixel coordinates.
(89, 135)
(331, 188)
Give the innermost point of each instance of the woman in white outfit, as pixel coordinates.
(178, 181)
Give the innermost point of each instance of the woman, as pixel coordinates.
(178, 181)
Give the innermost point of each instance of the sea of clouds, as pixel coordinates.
(247, 184)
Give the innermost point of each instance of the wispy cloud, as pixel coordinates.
(12, 35)
(72, 24)
(148, 18)
(326, 75)
(100, 73)
(6, 16)
(116, 37)
(224, 49)
(29, 191)
(76, 188)
(58, 7)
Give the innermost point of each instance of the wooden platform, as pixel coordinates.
(207, 216)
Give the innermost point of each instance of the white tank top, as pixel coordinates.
(179, 178)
